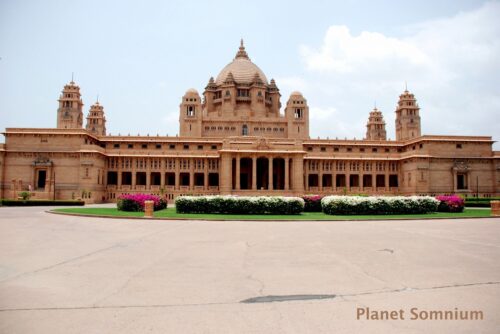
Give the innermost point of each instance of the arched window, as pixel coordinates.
(190, 111)
(244, 130)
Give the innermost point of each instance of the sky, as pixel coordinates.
(140, 57)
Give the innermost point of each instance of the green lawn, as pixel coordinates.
(170, 213)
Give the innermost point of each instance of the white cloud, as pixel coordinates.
(342, 52)
(451, 64)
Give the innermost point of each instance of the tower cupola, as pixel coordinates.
(407, 117)
(69, 113)
(96, 121)
(375, 128)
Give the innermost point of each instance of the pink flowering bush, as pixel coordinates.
(135, 202)
(312, 203)
(452, 203)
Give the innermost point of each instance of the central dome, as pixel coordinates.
(242, 69)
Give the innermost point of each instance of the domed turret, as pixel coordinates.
(190, 115)
(297, 114)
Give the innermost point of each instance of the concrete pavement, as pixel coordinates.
(63, 274)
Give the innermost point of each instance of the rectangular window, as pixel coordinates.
(340, 180)
(144, 146)
(380, 179)
(186, 147)
(130, 146)
(158, 146)
(214, 147)
(459, 146)
(393, 181)
(200, 147)
(461, 181)
(367, 180)
(116, 145)
(112, 178)
(354, 180)
(171, 146)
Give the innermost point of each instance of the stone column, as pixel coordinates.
(334, 177)
(306, 174)
(298, 174)
(270, 186)
(148, 174)
(177, 173)
(238, 182)
(361, 185)
(133, 161)
(386, 165)
(287, 172)
(254, 173)
(225, 174)
(163, 170)
(191, 173)
(205, 174)
(348, 179)
(119, 178)
(320, 176)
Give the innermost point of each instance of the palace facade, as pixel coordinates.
(235, 139)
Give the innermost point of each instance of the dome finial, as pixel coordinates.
(241, 52)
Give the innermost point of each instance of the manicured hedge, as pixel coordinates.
(10, 202)
(240, 205)
(135, 202)
(312, 203)
(378, 205)
(480, 202)
(452, 203)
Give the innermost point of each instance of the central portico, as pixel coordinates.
(252, 165)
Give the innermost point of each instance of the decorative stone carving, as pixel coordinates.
(42, 161)
(461, 165)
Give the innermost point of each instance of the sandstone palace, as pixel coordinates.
(236, 139)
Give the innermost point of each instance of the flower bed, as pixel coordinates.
(452, 203)
(240, 205)
(312, 203)
(375, 205)
(135, 202)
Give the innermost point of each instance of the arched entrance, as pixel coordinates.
(245, 173)
(262, 173)
(279, 173)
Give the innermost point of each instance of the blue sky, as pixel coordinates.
(140, 58)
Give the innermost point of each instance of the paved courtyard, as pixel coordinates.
(61, 274)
